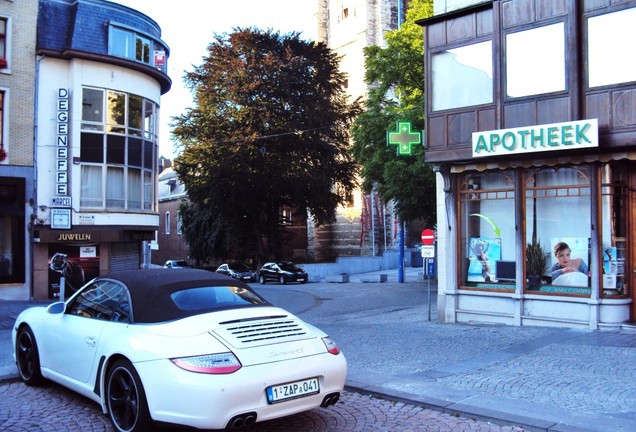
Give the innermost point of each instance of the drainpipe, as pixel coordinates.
(34, 204)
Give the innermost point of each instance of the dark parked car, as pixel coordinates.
(282, 272)
(237, 270)
(176, 264)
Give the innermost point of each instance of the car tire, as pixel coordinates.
(126, 399)
(282, 280)
(28, 357)
(261, 280)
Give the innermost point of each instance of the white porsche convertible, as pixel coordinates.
(191, 348)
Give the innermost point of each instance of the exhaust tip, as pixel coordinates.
(330, 399)
(242, 420)
(249, 420)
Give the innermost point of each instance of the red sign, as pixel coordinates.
(428, 236)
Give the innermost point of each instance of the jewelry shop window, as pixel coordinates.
(487, 220)
(558, 230)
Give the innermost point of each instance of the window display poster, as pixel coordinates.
(579, 259)
(70, 262)
(613, 269)
(482, 255)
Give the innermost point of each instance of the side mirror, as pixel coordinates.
(56, 308)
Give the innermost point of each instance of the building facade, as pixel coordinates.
(531, 126)
(170, 244)
(17, 101)
(367, 226)
(99, 74)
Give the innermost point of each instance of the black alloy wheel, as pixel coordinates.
(261, 280)
(126, 400)
(28, 357)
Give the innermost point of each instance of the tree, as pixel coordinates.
(269, 128)
(395, 78)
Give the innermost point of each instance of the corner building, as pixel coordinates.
(531, 126)
(100, 73)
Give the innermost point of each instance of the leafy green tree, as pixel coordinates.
(269, 129)
(395, 78)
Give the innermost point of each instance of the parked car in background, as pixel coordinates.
(176, 264)
(282, 272)
(188, 347)
(237, 270)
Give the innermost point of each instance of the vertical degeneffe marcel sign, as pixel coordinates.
(61, 169)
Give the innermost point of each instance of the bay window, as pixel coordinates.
(117, 163)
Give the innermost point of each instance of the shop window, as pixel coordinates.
(488, 246)
(610, 46)
(535, 61)
(558, 230)
(614, 209)
(469, 65)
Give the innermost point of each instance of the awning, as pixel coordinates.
(541, 162)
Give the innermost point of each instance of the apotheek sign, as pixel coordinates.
(531, 139)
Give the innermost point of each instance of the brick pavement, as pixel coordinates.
(54, 408)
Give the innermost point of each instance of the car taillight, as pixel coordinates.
(224, 363)
(331, 345)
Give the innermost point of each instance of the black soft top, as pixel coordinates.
(151, 290)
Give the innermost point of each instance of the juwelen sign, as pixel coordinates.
(530, 139)
(428, 236)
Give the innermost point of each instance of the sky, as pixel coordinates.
(188, 26)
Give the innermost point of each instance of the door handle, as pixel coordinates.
(90, 341)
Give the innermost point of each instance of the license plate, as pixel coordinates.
(292, 390)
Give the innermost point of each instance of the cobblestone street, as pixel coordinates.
(53, 408)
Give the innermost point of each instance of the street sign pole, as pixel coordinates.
(428, 252)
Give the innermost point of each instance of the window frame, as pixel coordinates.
(508, 51)
(114, 146)
(435, 83)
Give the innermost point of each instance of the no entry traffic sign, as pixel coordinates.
(428, 236)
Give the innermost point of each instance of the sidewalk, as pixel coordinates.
(540, 378)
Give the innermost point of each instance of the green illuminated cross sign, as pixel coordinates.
(404, 138)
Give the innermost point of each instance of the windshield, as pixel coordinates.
(239, 267)
(290, 267)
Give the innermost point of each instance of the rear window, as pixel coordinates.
(215, 297)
